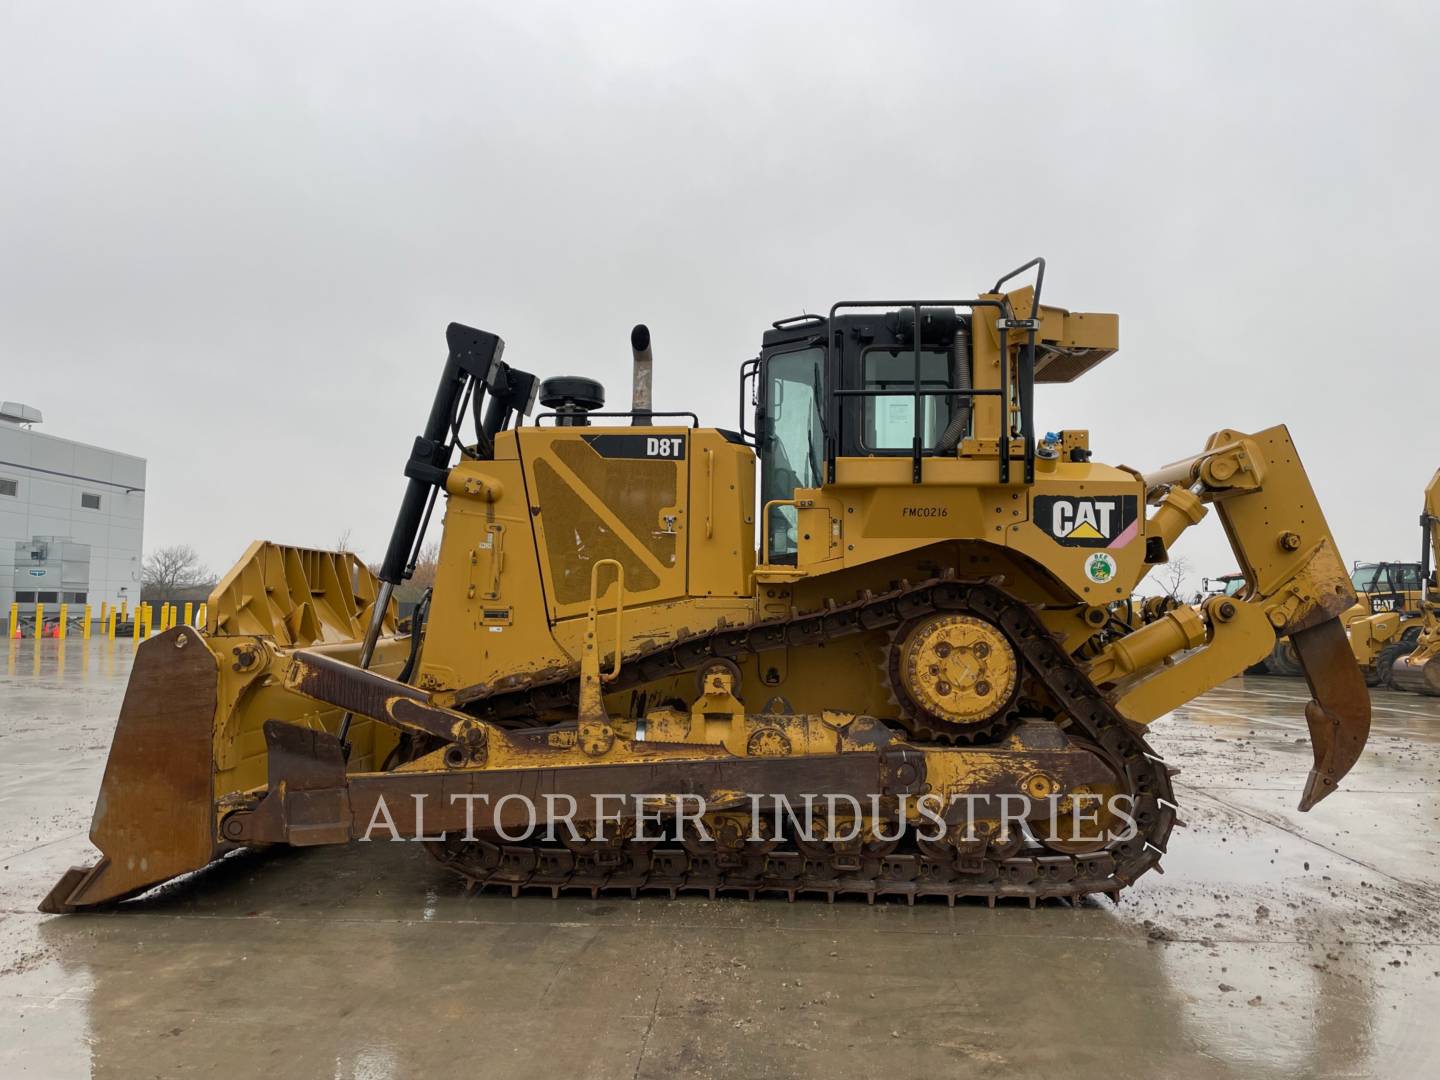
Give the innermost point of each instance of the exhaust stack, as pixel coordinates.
(640, 402)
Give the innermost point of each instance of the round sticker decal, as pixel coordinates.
(1100, 567)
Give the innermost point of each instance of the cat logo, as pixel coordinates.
(1098, 521)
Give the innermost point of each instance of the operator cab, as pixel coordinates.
(808, 410)
(1387, 586)
(909, 379)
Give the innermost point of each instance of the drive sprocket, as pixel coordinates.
(955, 676)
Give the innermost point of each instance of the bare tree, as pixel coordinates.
(1171, 577)
(426, 564)
(342, 542)
(169, 572)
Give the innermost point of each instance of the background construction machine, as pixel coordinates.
(929, 612)
(1387, 614)
(1413, 664)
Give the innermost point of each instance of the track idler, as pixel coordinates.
(1339, 712)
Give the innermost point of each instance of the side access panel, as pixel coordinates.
(608, 493)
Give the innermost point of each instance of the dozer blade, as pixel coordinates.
(1417, 678)
(154, 816)
(1339, 714)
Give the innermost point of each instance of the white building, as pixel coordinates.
(58, 497)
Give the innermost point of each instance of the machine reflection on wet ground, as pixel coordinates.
(1277, 943)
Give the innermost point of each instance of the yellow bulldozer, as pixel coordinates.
(1385, 621)
(1415, 665)
(893, 673)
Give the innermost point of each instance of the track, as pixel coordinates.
(907, 867)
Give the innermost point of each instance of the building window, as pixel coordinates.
(75, 598)
(89, 501)
(47, 597)
(8, 486)
(25, 597)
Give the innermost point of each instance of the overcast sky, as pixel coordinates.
(231, 235)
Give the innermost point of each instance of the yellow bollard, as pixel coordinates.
(110, 626)
(85, 626)
(64, 622)
(136, 625)
(39, 621)
(167, 610)
(189, 613)
(125, 611)
(14, 620)
(200, 616)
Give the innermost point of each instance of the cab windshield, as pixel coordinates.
(1374, 577)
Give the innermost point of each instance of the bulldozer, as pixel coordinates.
(1414, 665)
(635, 673)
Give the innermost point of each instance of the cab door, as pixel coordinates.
(790, 433)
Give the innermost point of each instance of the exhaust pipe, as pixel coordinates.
(640, 403)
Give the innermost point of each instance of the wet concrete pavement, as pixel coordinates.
(1277, 944)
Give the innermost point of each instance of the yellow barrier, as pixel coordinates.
(85, 626)
(136, 624)
(39, 620)
(110, 626)
(189, 613)
(64, 626)
(14, 619)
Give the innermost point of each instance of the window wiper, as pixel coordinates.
(817, 414)
(810, 449)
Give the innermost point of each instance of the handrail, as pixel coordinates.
(594, 613)
(709, 493)
(631, 413)
(765, 526)
(917, 444)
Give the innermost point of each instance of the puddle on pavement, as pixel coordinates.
(1240, 961)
